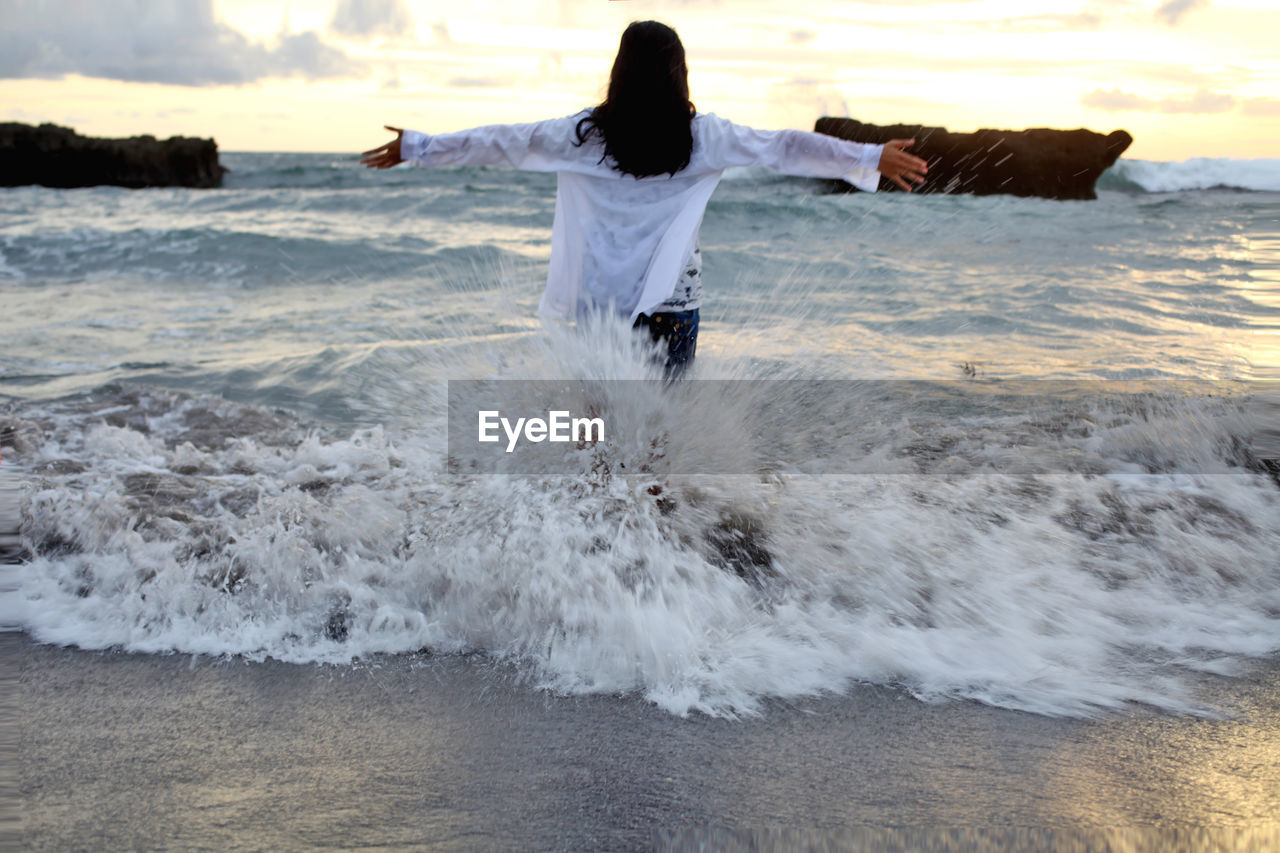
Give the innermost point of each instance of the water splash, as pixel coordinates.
(159, 522)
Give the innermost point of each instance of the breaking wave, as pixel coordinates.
(162, 522)
(1197, 173)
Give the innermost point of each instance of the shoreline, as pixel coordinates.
(122, 750)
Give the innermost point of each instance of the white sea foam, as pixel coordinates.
(199, 526)
(1200, 173)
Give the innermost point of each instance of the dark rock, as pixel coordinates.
(739, 544)
(1061, 164)
(338, 626)
(54, 156)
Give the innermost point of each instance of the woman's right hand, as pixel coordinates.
(899, 166)
(386, 156)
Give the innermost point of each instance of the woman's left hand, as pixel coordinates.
(385, 156)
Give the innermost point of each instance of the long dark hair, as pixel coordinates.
(644, 120)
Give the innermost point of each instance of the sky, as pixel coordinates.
(1188, 78)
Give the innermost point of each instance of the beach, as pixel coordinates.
(170, 751)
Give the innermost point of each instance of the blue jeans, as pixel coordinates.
(678, 330)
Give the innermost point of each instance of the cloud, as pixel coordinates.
(1052, 22)
(801, 36)
(1168, 72)
(1048, 22)
(1115, 100)
(1172, 11)
(1262, 107)
(475, 82)
(1201, 102)
(179, 42)
(304, 54)
(366, 19)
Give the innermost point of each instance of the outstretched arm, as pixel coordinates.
(811, 155)
(543, 146)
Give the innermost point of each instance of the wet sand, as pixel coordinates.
(132, 751)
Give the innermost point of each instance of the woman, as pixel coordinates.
(634, 177)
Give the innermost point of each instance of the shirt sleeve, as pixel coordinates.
(792, 152)
(542, 146)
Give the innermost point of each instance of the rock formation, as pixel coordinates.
(1061, 164)
(54, 156)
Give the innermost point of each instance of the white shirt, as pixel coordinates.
(620, 242)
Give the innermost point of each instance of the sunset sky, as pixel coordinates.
(1187, 78)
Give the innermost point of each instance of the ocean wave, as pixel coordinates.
(342, 172)
(201, 257)
(159, 522)
(1198, 173)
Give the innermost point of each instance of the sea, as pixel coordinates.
(1052, 485)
